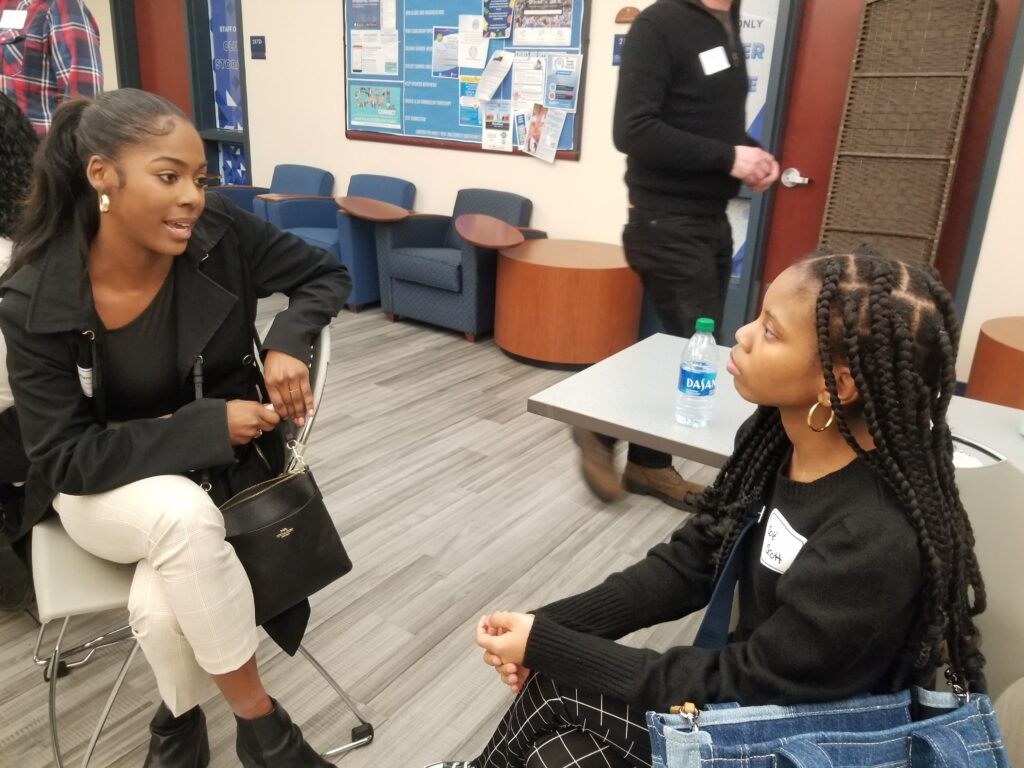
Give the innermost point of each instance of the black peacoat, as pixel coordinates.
(55, 352)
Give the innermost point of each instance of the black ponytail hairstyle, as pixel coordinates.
(18, 142)
(895, 325)
(62, 202)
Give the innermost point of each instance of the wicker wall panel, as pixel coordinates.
(902, 124)
(904, 248)
(918, 36)
(880, 194)
(913, 115)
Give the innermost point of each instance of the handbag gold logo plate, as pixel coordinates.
(284, 533)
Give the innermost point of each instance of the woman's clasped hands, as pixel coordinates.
(503, 636)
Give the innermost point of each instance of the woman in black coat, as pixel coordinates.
(125, 279)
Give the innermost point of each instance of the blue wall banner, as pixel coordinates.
(227, 83)
(416, 59)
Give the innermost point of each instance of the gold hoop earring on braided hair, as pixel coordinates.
(104, 203)
(810, 419)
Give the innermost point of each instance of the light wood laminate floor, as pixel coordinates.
(452, 501)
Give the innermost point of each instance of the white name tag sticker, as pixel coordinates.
(12, 19)
(714, 60)
(781, 544)
(85, 380)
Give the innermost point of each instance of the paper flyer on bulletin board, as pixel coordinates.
(413, 69)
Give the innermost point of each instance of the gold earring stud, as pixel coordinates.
(104, 203)
(810, 419)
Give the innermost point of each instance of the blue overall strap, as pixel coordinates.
(714, 629)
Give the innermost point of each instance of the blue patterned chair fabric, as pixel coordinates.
(287, 179)
(429, 273)
(322, 224)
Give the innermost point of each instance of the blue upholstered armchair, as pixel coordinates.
(429, 273)
(287, 180)
(320, 222)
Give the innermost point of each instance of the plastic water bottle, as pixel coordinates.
(697, 373)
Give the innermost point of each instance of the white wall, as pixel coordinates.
(296, 114)
(100, 10)
(998, 287)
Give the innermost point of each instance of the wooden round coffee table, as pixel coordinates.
(997, 370)
(573, 302)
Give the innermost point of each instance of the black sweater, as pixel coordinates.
(829, 627)
(677, 125)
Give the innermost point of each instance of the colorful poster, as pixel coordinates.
(497, 118)
(543, 23)
(227, 84)
(469, 105)
(365, 14)
(543, 131)
(375, 105)
(562, 83)
(444, 58)
(498, 18)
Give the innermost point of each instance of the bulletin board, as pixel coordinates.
(409, 81)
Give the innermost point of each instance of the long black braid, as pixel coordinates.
(895, 326)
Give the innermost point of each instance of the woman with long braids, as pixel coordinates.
(127, 285)
(856, 571)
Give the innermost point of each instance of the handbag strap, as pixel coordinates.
(295, 464)
(714, 628)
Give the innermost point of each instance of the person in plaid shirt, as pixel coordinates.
(50, 52)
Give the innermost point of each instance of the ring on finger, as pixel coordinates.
(294, 390)
(259, 433)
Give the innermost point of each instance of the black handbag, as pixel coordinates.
(285, 540)
(281, 532)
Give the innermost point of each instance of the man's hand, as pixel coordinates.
(287, 380)
(752, 166)
(767, 181)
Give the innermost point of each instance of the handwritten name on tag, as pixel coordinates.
(781, 543)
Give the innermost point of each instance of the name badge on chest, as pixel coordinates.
(781, 543)
(714, 60)
(12, 19)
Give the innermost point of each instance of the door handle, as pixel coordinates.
(791, 178)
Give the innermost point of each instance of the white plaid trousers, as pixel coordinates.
(191, 605)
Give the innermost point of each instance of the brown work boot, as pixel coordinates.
(597, 466)
(663, 483)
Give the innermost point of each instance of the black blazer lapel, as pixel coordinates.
(202, 306)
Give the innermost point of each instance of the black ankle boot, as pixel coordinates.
(178, 742)
(274, 741)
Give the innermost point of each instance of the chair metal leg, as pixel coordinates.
(362, 734)
(56, 667)
(109, 705)
(54, 663)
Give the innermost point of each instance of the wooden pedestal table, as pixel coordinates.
(997, 371)
(573, 302)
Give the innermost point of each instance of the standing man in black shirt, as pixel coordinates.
(680, 120)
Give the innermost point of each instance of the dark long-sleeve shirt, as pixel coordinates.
(830, 626)
(676, 119)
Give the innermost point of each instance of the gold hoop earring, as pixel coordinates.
(810, 419)
(104, 203)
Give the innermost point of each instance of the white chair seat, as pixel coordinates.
(69, 581)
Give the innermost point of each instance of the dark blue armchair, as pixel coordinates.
(287, 180)
(320, 222)
(429, 273)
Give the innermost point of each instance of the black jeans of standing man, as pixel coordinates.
(684, 262)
